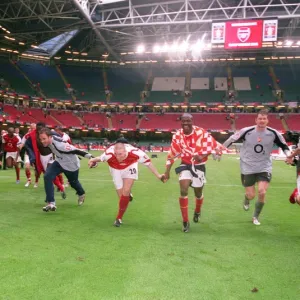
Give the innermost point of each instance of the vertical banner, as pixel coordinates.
(218, 33)
(270, 30)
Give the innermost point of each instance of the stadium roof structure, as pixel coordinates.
(94, 29)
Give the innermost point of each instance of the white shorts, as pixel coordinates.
(195, 182)
(129, 172)
(26, 159)
(46, 160)
(13, 155)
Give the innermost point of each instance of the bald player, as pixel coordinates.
(123, 160)
(255, 159)
(193, 145)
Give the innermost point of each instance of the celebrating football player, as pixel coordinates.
(193, 144)
(123, 160)
(255, 159)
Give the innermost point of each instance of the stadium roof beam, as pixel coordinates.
(38, 16)
(191, 11)
(30, 10)
(84, 8)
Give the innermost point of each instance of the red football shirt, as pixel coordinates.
(11, 143)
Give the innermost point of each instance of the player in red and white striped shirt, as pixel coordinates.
(193, 145)
(123, 160)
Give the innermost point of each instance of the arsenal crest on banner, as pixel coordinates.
(243, 34)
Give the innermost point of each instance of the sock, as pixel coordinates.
(58, 184)
(28, 174)
(298, 183)
(61, 179)
(17, 172)
(184, 204)
(37, 176)
(258, 208)
(247, 201)
(199, 203)
(123, 203)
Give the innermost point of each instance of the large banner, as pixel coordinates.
(244, 34)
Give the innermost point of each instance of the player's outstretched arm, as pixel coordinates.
(153, 170)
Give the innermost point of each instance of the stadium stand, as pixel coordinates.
(50, 81)
(242, 83)
(168, 85)
(293, 122)
(215, 89)
(15, 115)
(212, 121)
(288, 80)
(95, 120)
(85, 80)
(172, 121)
(66, 118)
(260, 82)
(126, 84)
(121, 121)
(244, 120)
(14, 78)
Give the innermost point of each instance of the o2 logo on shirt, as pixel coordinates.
(259, 149)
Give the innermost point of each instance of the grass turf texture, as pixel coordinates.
(76, 253)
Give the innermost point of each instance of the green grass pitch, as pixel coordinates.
(76, 253)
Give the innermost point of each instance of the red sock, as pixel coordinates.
(28, 174)
(199, 203)
(123, 203)
(61, 179)
(184, 205)
(58, 184)
(17, 172)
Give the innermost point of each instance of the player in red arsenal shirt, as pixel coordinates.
(10, 142)
(123, 160)
(193, 145)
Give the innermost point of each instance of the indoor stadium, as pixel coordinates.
(203, 94)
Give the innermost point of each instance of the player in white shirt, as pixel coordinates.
(123, 160)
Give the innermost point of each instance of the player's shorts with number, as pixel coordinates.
(119, 175)
(46, 160)
(13, 155)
